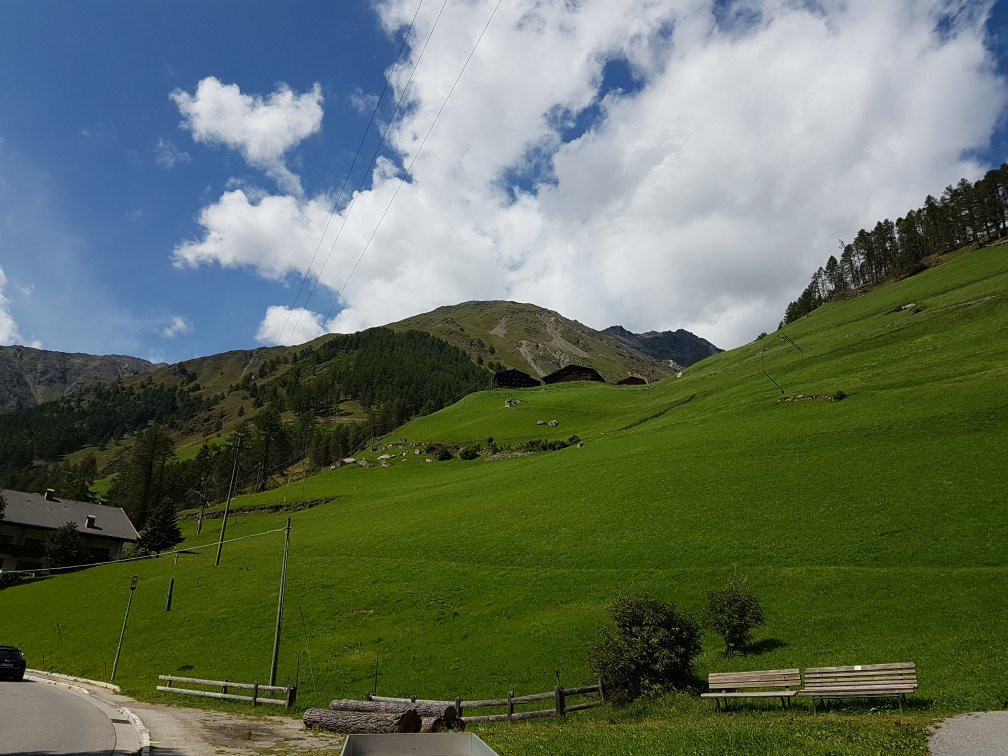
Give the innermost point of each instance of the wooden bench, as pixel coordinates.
(769, 683)
(861, 681)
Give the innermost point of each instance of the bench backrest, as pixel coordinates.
(863, 676)
(768, 678)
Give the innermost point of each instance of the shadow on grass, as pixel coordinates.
(881, 705)
(765, 646)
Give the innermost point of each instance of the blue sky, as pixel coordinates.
(608, 162)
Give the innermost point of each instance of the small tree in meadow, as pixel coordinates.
(733, 612)
(651, 651)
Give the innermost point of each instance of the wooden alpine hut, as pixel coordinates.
(514, 379)
(573, 373)
(632, 380)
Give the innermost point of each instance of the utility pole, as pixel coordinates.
(115, 664)
(227, 507)
(279, 619)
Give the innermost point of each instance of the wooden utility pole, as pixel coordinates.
(279, 619)
(227, 507)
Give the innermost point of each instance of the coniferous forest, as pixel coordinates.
(296, 398)
(967, 213)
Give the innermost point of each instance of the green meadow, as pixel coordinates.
(873, 529)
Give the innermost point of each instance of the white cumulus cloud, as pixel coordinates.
(177, 327)
(9, 333)
(262, 129)
(703, 196)
(283, 326)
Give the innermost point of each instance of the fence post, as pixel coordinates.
(561, 705)
(291, 696)
(255, 694)
(224, 687)
(601, 690)
(510, 704)
(458, 708)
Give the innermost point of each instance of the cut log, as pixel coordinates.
(362, 722)
(431, 724)
(424, 708)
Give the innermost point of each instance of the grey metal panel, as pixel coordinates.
(424, 744)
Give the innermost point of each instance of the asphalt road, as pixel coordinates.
(37, 718)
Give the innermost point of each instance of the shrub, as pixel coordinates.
(64, 547)
(469, 452)
(7, 579)
(650, 652)
(132, 551)
(732, 613)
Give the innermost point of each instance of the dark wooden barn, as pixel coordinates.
(573, 373)
(514, 379)
(632, 380)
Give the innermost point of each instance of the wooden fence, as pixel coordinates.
(290, 694)
(558, 696)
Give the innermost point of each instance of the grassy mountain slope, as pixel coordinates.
(30, 376)
(532, 339)
(873, 529)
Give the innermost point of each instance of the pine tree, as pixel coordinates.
(162, 529)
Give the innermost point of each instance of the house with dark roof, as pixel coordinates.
(573, 373)
(29, 518)
(514, 379)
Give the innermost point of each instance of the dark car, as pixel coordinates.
(12, 663)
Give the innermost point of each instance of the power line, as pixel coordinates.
(140, 558)
(409, 168)
(339, 196)
(374, 158)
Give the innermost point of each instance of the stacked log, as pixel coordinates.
(359, 717)
(423, 708)
(362, 722)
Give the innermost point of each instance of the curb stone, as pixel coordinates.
(71, 678)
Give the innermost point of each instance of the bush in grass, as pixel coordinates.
(472, 451)
(8, 579)
(733, 612)
(64, 547)
(131, 551)
(650, 652)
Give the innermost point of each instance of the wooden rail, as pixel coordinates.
(290, 693)
(558, 695)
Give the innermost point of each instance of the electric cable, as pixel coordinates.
(374, 159)
(142, 557)
(409, 167)
(346, 179)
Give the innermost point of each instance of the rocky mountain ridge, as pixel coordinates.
(680, 347)
(31, 376)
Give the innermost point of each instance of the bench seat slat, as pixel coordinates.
(863, 668)
(877, 691)
(751, 694)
